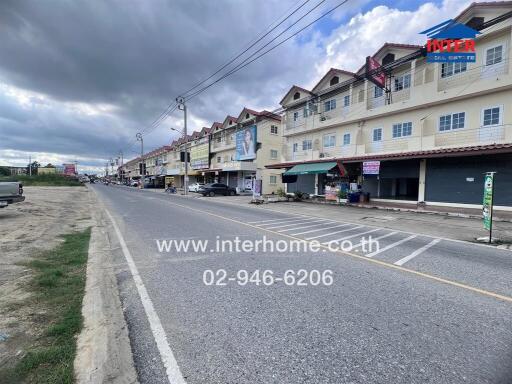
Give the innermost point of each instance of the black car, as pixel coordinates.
(217, 189)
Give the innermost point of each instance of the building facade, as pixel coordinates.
(435, 133)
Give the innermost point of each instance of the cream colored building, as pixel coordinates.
(435, 133)
(227, 167)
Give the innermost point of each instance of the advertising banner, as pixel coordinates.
(246, 144)
(371, 167)
(379, 76)
(331, 193)
(199, 156)
(69, 169)
(256, 191)
(488, 200)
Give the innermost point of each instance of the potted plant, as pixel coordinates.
(341, 196)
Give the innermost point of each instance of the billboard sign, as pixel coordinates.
(375, 73)
(69, 169)
(488, 200)
(200, 156)
(246, 143)
(371, 167)
(451, 42)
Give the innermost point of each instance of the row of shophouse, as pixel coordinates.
(427, 137)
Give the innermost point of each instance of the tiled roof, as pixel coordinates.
(442, 152)
(483, 4)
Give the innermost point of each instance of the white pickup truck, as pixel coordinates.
(10, 192)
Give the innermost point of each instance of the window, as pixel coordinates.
(273, 179)
(450, 69)
(402, 82)
(346, 139)
(377, 92)
(219, 139)
(296, 96)
(295, 116)
(377, 134)
(329, 141)
(274, 130)
(453, 121)
(295, 147)
(402, 129)
(491, 116)
(247, 116)
(494, 55)
(329, 105)
(306, 145)
(306, 112)
(346, 100)
(334, 80)
(273, 154)
(219, 159)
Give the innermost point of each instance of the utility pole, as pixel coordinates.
(142, 167)
(122, 168)
(182, 106)
(30, 165)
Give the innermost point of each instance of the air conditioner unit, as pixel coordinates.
(323, 154)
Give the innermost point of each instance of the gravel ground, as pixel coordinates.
(26, 229)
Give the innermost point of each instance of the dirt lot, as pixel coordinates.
(26, 229)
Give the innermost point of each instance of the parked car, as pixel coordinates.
(217, 189)
(10, 193)
(134, 183)
(195, 187)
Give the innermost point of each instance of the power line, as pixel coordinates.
(245, 64)
(248, 48)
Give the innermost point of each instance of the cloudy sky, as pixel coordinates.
(79, 78)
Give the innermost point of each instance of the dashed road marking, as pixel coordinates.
(393, 245)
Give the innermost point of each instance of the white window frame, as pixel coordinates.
(500, 122)
(295, 147)
(451, 129)
(295, 115)
(276, 128)
(349, 139)
(373, 134)
(329, 105)
(487, 49)
(402, 78)
(345, 98)
(330, 136)
(272, 151)
(270, 179)
(401, 136)
(377, 90)
(453, 71)
(310, 145)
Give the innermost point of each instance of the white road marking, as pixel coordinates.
(321, 229)
(391, 246)
(302, 227)
(296, 223)
(417, 252)
(351, 236)
(262, 222)
(333, 233)
(377, 238)
(172, 369)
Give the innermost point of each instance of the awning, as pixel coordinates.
(311, 168)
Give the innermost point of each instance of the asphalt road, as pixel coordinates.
(420, 309)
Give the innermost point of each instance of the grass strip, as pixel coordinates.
(58, 285)
(47, 180)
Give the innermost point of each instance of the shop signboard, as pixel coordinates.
(69, 169)
(199, 156)
(371, 167)
(488, 202)
(256, 191)
(331, 193)
(246, 143)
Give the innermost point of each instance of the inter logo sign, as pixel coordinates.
(451, 42)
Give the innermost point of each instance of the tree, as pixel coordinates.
(35, 165)
(4, 171)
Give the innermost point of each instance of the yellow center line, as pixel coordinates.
(368, 260)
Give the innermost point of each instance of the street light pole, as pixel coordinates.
(183, 107)
(122, 167)
(142, 170)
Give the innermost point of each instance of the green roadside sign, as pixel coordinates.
(488, 200)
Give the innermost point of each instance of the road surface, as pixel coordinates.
(418, 309)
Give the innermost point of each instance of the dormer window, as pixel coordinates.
(296, 96)
(334, 80)
(247, 116)
(230, 122)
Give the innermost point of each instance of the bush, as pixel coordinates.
(47, 180)
(342, 194)
(280, 192)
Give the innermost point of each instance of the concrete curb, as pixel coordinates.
(103, 347)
